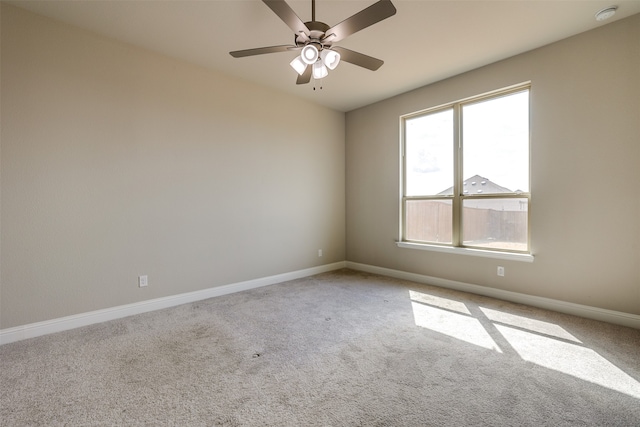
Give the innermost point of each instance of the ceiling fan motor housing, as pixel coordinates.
(316, 35)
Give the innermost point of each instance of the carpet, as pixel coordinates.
(343, 348)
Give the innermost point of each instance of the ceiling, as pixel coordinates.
(424, 42)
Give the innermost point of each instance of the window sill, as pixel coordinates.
(466, 251)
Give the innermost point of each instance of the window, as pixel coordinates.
(466, 173)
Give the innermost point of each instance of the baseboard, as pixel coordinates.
(595, 313)
(33, 330)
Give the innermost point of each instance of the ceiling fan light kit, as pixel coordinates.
(329, 60)
(314, 40)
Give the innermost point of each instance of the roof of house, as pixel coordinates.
(477, 185)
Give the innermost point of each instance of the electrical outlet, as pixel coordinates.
(319, 252)
(501, 271)
(143, 281)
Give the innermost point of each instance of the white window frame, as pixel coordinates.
(457, 246)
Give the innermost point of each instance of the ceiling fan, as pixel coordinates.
(314, 39)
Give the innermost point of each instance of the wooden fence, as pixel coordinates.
(431, 221)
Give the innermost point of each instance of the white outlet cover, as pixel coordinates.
(143, 281)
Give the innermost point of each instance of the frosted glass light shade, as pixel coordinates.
(331, 58)
(319, 70)
(309, 54)
(299, 65)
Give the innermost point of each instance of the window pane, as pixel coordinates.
(496, 143)
(429, 154)
(495, 223)
(428, 220)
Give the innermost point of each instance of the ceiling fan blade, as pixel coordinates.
(305, 77)
(284, 11)
(358, 59)
(383, 9)
(262, 50)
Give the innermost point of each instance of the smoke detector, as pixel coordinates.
(606, 13)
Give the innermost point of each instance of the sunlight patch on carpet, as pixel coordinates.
(543, 343)
(447, 304)
(575, 360)
(459, 326)
(529, 324)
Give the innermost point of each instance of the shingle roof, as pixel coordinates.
(477, 185)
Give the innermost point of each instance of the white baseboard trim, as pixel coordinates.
(595, 313)
(33, 330)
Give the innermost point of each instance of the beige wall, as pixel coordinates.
(585, 165)
(118, 162)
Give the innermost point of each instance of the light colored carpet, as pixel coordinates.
(339, 349)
